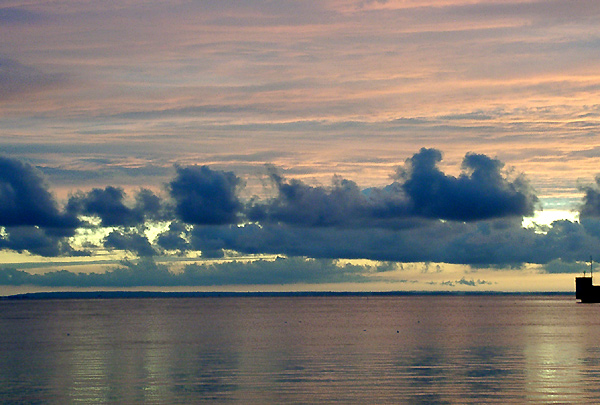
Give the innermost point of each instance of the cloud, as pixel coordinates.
(591, 199)
(30, 218)
(38, 241)
(131, 241)
(465, 282)
(482, 243)
(301, 204)
(173, 238)
(129, 220)
(93, 170)
(205, 196)
(279, 271)
(561, 266)
(424, 215)
(15, 15)
(16, 78)
(483, 191)
(147, 272)
(109, 205)
(26, 201)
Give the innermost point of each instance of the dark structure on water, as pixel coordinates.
(585, 290)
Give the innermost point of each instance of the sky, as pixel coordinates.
(299, 145)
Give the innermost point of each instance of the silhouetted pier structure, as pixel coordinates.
(585, 290)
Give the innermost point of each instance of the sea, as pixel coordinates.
(430, 349)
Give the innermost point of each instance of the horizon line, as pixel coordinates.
(107, 294)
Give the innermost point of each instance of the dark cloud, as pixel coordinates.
(423, 216)
(26, 201)
(38, 241)
(29, 215)
(205, 196)
(591, 200)
(279, 271)
(591, 225)
(301, 204)
(131, 241)
(148, 203)
(492, 242)
(146, 272)
(109, 205)
(173, 238)
(482, 191)
(561, 266)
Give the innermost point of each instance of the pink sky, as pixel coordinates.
(97, 93)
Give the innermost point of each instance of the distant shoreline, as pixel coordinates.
(74, 295)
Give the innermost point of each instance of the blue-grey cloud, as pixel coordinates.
(492, 242)
(465, 282)
(562, 266)
(482, 191)
(205, 196)
(149, 203)
(173, 238)
(38, 241)
(30, 216)
(131, 241)
(422, 191)
(147, 272)
(424, 215)
(591, 200)
(301, 204)
(26, 201)
(109, 205)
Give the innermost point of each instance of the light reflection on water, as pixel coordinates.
(416, 349)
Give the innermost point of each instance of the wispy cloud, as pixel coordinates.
(17, 79)
(152, 114)
(17, 15)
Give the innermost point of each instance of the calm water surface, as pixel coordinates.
(408, 349)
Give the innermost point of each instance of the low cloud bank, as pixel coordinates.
(148, 273)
